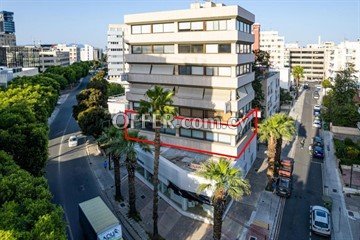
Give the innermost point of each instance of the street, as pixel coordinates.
(307, 181)
(68, 173)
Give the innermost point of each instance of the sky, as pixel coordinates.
(85, 21)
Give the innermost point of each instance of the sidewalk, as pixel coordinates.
(333, 188)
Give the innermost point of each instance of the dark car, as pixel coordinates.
(318, 141)
(318, 152)
(306, 86)
(283, 187)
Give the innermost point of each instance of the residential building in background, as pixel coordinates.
(7, 29)
(289, 46)
(72, 49)
(202, 54)
(87, 53)
(97, 54)
(271, 90)
(116, 50)
(8, 74)
(312, 59)
(256, 33)
(271, 42)
(20, 56)
(51, 56)
(285, 78)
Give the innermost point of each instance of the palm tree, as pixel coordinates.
(110, 140)
(298, 73)
(273, 130)
(159, 106)
(226, 181)
(127, 147)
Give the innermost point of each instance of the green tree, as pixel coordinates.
(115, 89)
(272, 130)
(26, 211)
(298, 74)
(98, 83)
(260, 67)
(225, 181)
(285, 97)
(159, 106)
(326, 84)
(93, 120)
(59, 78)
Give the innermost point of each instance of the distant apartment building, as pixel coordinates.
(20, 56)
(87, 53)
(202, 54)
(116, 50)
(271, 89)
(73, 50)
(97, 54)
(289, 46)
(51, 56)
(312, 59)
(7, 29)
(271, 42)
(256, 32)
(341, 56)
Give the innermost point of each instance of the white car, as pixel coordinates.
(320, 220)
(317, 107)
(73, 141)
(317, 123)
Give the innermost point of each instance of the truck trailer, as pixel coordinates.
(98, 222)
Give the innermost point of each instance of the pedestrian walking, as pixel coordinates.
(105, 164)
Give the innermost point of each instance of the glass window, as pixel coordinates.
(136, 29)
(197, 113)
(185, 132)
(158, 49)
(197, 26)
(225, 71)
(211, 48)
(209, 71)
(197, 70)
(198, 134)
(184, 26)
(209, 25)
(211, 136)
(184, 70)
(169, 27)
(222, 25)
(197, 48)
(136, 49)
(184, 48)
(158, 28)
(168, 48)
(146, 49)
(146, 29)
(185, 112)
(224, 48)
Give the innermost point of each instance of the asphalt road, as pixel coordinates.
(68, 173)
(307, 181)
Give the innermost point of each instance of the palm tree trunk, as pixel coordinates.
(118, 196)
(156, 183)
(297, 87)
(131, 165)
(271, 162)
(219, 207)
(278, 154)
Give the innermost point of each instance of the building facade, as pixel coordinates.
(73, 50)
(7, 39)
(202, 54)
(87, 53)
(271, 90)
(20, 56)
(7, 24)
(271, 42)
(311, 59)
(256, 32)
(116, 50)
(51, 56)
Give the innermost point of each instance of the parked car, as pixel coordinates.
(318, 152)
(318, 141)
(286, 168)
(316, 95)
(320, 220)
(283, 187)
(317, 123)
(317, 108)
(306, 86)
(73, 141)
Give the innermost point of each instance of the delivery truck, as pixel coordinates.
(98, 222)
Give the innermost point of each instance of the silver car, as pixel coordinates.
(73, 141)
(320, 220)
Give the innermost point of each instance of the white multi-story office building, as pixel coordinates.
(73, 50)
(341, 56)
(271, 42)
(271, 90)
(50, 56)
(202, 54)
(87, 53)
(116, 50)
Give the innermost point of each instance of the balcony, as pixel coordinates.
(191, 58)
(189, 80)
